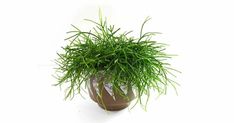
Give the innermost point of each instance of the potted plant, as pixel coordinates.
(116, 68)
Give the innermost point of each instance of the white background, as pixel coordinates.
(201, 32)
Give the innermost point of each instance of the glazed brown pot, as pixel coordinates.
(101, 92)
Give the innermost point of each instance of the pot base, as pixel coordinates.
(114, 108)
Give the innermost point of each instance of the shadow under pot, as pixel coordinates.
(108, 97)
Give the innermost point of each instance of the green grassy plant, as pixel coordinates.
(138, 62)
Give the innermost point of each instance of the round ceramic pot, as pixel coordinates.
(107, 98)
